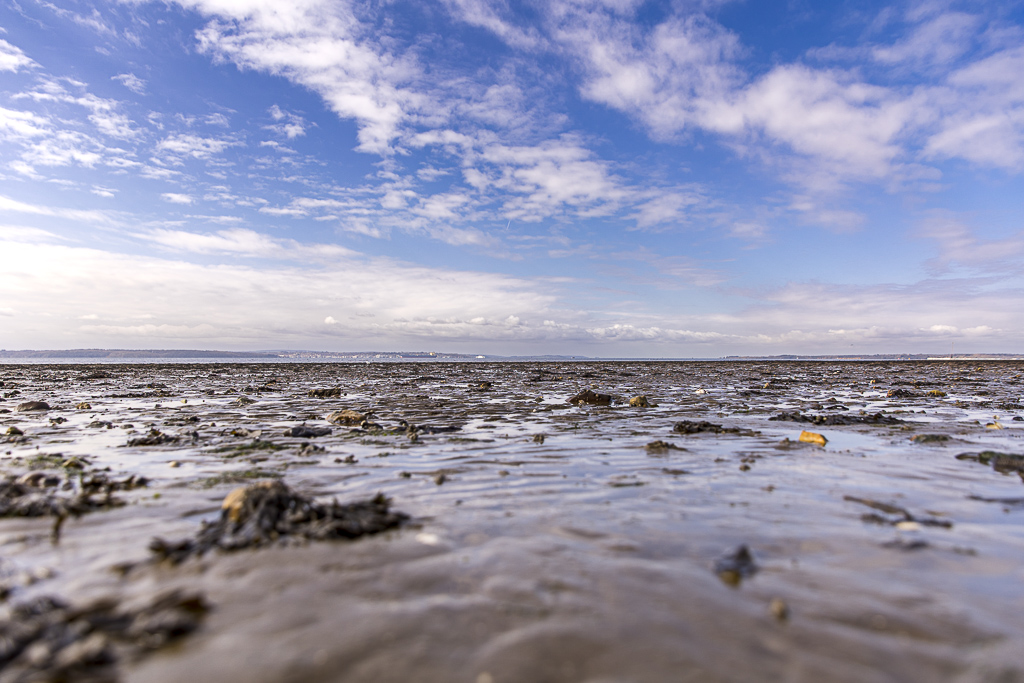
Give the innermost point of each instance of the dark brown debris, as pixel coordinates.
(47, 640)
(262, 513)
(591, 398)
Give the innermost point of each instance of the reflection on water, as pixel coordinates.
(547, 542)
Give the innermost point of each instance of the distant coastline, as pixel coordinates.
(363, 356)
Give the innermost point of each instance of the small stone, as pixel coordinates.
(346, 417)
(31, 406)
(935, 393)
(779, 609)
(14, 431)
(83, 406)
(736, 566)
(813, 437)
(538, 438)
(994, 425)
(701, 392)
(174, 463)
(440, 478)
(639, 402)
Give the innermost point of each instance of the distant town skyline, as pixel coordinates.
(608, 178)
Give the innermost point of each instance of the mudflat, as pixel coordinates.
(512, 522)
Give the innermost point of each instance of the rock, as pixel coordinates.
(779, 609)
(346, 417)
(994, 425)
(935, 393)
(538, 438)
(813, 437)
(304, 432)
(29, 406)
(244, 401)
(736, 566)
(1001, 462)
(260, 514)
(639, 402)
(900, 393)
(689, 427)
(829, 420)
(154, 438)
(333, 392)
(14, 431)
(930, 438)
(660, 446)
(174, 463)
(591, 398)
(83, 406)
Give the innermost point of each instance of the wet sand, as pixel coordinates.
(545, 541)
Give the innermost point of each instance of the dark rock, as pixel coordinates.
(900, 393)
(702, 427)
(334, 392)
(591, 398)
(1001, 462)
(154, 438)
(828, 420)
(32, 406)
(304, 432)
(930, 438)
(260, 514)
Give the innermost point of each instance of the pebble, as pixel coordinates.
(639, 402)
(779, 609)
(83, 406)
(813, 437)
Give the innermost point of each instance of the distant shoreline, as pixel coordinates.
(432, 356)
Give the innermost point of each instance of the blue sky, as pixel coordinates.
(608, 178)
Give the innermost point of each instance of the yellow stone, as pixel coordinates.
(639, 402)
(813, 437)
(83, 406)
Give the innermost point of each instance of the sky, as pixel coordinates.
(613, 178)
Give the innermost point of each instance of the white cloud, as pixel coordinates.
(194, 146)
(132, 82)
(85, 216)
(12, 58)
(287, 124)
(176, 198)
(321, 46)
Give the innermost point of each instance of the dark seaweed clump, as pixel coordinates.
(36, 495)
(48, 640)
(261, 514)
(1001, 462)
(876, 419)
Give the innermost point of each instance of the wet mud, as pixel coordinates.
(491, 523)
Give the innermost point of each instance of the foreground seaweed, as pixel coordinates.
(260, 514)
(37, 494)
(48, 640)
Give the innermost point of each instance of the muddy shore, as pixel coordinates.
(743, 521)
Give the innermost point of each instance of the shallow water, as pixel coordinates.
(579, 556)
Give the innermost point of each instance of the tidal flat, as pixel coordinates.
(742, 521)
